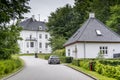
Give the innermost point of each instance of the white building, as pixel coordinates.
(93, 37)
(35, 38)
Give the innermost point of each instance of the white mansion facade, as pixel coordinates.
(35, 38)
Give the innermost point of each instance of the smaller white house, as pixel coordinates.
(35, 37)
(93, 37)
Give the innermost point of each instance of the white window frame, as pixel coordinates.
(104, 50)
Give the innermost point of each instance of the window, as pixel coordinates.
(40, 27)
(68, 52)
(30, 36)
(46, 36)
(98, 33)
(104, 49)
(40, 45)
(46, 45)
(31, 44)
(27, 44)
(40, 36)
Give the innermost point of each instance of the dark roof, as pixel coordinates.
(33, 25)
(87, 33)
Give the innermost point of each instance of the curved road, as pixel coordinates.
(38, 69)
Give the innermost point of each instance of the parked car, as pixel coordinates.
(53, 59)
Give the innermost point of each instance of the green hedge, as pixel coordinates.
(66, 59)
(47, 57)
(107, 70)
(7, 66)
(110, 62)
(76, 62)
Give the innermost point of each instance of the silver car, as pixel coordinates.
(53, 59)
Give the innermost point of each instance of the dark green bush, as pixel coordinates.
(66, 59)
(47, 57)
(110, 62)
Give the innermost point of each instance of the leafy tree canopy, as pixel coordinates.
(10, 10)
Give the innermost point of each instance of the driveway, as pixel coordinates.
(38, 69)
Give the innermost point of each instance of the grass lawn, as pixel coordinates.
(91, 73)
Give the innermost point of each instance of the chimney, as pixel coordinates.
(91, 15)
(33, 17)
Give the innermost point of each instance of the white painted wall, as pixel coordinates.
(91, 50)
(35, 34)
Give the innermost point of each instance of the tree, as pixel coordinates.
(9, 34)
(12, 9)
(114, 20)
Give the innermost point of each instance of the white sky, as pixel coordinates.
(45, 7)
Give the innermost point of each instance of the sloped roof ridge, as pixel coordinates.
(86, 22)
(29, 21)
(108, 28)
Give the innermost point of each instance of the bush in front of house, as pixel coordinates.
(110, 62)
(8, 66)
(76, 62)
(66, 59)
(107, 70)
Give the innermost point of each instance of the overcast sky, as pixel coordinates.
(45, 7)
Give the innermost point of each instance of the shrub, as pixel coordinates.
(66, 59)
(7, 66)
(107, 70)
(76, 62)
(84, 64)
(47, 57)
(110, 62)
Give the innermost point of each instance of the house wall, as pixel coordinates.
(36, 35)
(91, 50)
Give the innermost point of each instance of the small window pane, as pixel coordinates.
(31, 44)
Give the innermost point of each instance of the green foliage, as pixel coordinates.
(66, 59)
(8, 41)
(85, 64)
(76, 62)
(60, 52)
(46, 57)
(114, 20)
(110, 62)
(8, 66)
(107, 70)
(57, 42)
(12, 9)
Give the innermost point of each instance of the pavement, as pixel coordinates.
(39, 69)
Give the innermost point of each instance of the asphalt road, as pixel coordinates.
(38, 69)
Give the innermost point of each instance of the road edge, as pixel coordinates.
(82, 72)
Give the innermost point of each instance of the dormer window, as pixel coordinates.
(40, 27)
(98, 32)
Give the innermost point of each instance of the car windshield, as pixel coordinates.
(54, 57)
